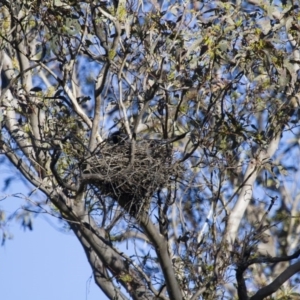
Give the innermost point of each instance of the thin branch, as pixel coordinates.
(75, 104)
(46, 186)
(131, 235)
(146, 278)
(121, 103)
(198, 293)
(266, 259)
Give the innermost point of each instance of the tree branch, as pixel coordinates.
(259, 260)
(75, 104)
(161, 248)
(277, 283)
(101, 275)
(115, 263)
(241, 285)
(246, 192)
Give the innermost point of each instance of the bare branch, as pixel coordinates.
(101, 276)
(161, 248)
(277, 283)
(246, 192)
(100, 83)
(76, 106)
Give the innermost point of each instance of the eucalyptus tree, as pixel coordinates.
(169, 124)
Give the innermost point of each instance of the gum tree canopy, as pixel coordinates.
(171, 126)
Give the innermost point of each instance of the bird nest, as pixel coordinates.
(130, 172)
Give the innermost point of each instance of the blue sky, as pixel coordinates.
(44, 263)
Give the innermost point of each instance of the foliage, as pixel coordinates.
(171, 124)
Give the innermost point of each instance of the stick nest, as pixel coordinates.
(131, 172)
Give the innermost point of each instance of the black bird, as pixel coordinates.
(117, 137)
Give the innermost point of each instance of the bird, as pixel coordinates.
(117, 137)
